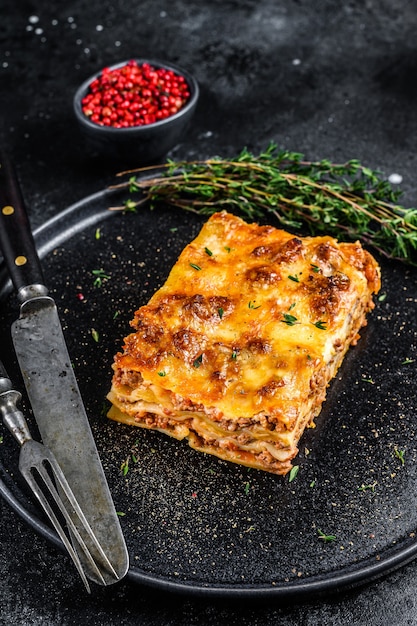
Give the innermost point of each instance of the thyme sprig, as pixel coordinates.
(349, 201)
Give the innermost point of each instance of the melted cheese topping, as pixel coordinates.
(237, 347)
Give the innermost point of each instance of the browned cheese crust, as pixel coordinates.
(235, 351)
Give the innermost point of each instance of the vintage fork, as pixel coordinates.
(48, 483)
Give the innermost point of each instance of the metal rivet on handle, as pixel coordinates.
(7, 210)
(20, 260)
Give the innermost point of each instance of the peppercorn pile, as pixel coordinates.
(134, 95)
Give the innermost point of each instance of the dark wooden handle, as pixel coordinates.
(16, 239)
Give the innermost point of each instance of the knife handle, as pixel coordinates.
(16, 240)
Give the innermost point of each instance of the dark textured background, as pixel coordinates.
(333, 80)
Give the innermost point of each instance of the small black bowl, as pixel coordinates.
(137, 145)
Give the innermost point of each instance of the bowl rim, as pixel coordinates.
(83, 88)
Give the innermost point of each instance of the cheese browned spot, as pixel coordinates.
(235, 351)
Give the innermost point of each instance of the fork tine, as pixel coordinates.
(72, 514)
(36, 458)
(49, 511)
(42, 472)
(79, 515)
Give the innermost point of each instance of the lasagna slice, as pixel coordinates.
(235, 351)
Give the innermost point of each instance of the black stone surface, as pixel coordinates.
(331, 80)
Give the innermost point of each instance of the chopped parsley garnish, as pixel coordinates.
(294, 278)
(315, 268)
(220, 312)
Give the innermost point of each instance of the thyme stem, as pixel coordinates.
(348, 201)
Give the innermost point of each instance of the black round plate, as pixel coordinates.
(199, 525)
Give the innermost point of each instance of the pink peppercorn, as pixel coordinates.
(134, 95)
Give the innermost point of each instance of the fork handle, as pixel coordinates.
(12, 417)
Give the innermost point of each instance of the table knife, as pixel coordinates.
(50, 380)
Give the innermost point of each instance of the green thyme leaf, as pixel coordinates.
(198, 361)
(324, 537)
(400, 455)
(100, 276)
(195, 267)
(320, 324)
(293, 473)
(130, 206)
(105, 408)
(289, 319)
(368, 487)
(124, 468)
(347, 200)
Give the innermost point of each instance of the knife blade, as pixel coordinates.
(49, 377)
